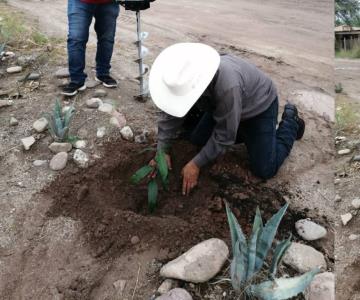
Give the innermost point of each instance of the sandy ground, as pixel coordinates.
(290, 40)
(348, 173)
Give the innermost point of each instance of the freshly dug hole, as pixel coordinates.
(112, 210)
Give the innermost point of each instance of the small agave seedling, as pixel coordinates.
(162, 173)
(249, 259)
(59, 123)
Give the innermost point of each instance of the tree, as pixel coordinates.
(347, 12)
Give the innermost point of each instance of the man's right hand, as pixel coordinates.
(153, 164)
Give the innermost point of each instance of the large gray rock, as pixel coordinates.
(303, 258)
(94, 102)
(309, 230)
(59, 161)
(106, 108)
(62, 73)
(60, 147)
(127, 134)
(81, 158)
(175, 294)
(12, 70)
(322, 287)
(356, 203)
(40, 125)
(13, 121)
(28, 142)
(201, 263)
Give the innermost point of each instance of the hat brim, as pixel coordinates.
(207, 61)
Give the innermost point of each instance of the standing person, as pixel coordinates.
(220, 100)
(80, 15)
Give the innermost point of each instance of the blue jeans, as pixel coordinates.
(80, 16)
(267, 145)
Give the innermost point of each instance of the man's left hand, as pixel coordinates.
(190, 175)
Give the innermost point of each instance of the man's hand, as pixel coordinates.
(153, 164)
(190, 175)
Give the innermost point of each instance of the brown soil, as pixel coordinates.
(111, 211)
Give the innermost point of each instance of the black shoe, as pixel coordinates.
(107, 81)
(72, 89)
(290, 111)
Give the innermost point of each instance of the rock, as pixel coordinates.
(337, 198)
(59, 161)
(39, 163)
(115, 122)
(322, 287)
(120, 118)
(100, 93)
(340, 138)
(303, 258)
(9, 54)
(353, 237)
(344, 151)
(135, 240)
(101, 131)
(34, 76)
(62, 73)
(356, 158)
(309, 230)
(106, 108)
(126, 133)
(13, 70)
(92, 83)
(40, 125)
(346, 218)
(175, 294)
(13, 121)
(65, 109)
(81, 158)
(119, 287)
(28, 142)
(80, 144)
(94, 102)
(60, 147)
(337, 181)
(142, 138)
(4, 103)
(194, 266)
(356, 203)
(166, 286)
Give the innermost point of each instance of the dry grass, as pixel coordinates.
(19, 33)
(347, 116)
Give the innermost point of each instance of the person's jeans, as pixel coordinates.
(267, 146)
(80, 16)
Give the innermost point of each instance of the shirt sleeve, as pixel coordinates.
(168, 127)
(227, 116)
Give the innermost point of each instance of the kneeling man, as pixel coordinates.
(218, 101)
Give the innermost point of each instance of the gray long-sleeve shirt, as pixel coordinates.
(239, 91)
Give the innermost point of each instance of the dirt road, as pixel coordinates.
(54, 244)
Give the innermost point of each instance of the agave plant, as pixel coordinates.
(59, 123)
(161, 171)
(249, 258)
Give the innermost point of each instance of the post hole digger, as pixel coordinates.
(137, 6)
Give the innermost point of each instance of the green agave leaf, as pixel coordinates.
(141, 174)
(280, 250)
(283, 288)
(68, 116)
(162, 166)
(235, 231)
(252, 254)
(267, 236)
(58, 110)
(152, 195)
(238, 268)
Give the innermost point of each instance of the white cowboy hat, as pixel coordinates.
(180, 74)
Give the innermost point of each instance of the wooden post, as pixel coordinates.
(345, 43)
